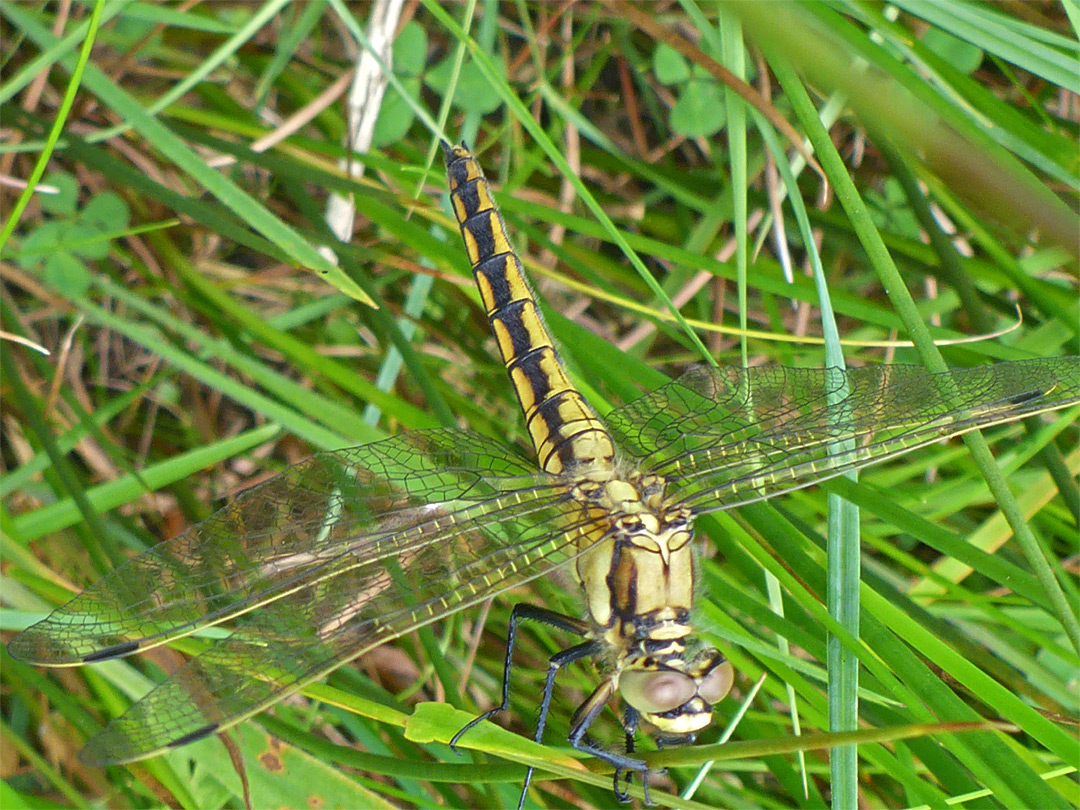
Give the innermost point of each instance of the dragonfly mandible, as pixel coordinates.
(353, 548)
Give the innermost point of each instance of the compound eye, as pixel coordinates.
(656, 691)
(717, 683)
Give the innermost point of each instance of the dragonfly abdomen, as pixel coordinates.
(565, 431)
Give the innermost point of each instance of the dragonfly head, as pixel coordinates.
(675, 695)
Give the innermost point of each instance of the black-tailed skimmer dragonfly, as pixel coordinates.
(352, 548)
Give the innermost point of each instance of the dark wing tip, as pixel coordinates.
(97, 754)
(112, 651)
(196, 735)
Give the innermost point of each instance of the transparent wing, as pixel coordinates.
(339, 554)
(729, 436)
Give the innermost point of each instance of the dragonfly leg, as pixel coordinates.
(584, 717)
(586, 649)
(559, 621)
(522, 613)
(630, 724)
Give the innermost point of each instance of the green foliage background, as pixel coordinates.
(199, 342)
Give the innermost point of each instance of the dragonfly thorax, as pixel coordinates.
(639, 589)
(639, 579)
(632, 494)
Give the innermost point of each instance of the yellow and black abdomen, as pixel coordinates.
(565, 431)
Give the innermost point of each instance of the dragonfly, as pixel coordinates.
(355, 547)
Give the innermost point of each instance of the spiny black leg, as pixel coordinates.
(545, 616)
(630, 724)
(583, 718)
(520, 613)
(586, 649)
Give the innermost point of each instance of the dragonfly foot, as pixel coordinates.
(627, 777)
(474, 722)
(621, 793)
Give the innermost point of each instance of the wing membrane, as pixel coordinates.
(729, 436)
(355, 547)
(312, 630)
(360, 501)
(340, 553)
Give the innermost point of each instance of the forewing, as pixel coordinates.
(339, 554)
(466, 556)
(729, 436)
(273, 538)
